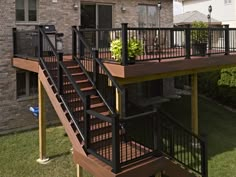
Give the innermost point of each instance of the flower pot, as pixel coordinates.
(199, 49)
(131, 60)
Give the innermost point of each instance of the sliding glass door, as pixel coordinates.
(97, 16)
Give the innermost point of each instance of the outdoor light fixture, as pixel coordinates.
(123, 9)
(159, 5)
(209, 8)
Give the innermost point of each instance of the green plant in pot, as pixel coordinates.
(199, 38)
(135, 48)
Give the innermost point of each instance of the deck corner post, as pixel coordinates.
(14, 34)
(124, 38)
(204, 157)
(194, 103)
(188, 42)
(116, 167)
(42, 125)
(227, 51)
(74, 42)
(40, 42)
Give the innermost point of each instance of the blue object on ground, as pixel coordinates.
(35, 111)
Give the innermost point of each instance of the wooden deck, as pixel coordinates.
(152, 69)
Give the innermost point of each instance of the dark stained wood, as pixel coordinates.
(26, 64)
(60, 112)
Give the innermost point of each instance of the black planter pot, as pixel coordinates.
(131, 60)
(199, 49)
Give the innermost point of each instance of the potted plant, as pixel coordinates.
(199, 38)
(135, 48)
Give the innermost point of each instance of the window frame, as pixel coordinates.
(28, 94)
(227, 2)
(26, 12)
(146, 15)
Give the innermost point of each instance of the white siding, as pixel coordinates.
(221, 11)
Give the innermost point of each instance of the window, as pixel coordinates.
(228, 1)
(147, 16)
(26, 10)
(27, 84)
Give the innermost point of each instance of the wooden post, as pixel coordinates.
(195, 104)
(42, 125)
(79, 171)
(118, 102)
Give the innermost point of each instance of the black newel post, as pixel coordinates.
(74, 42)
(81, 45)
(87, 122)
(95, 67)
(40, 42)
(226, 39)
(115, 145)
(188, 42)
(124, 53)
(14, 41)
(204, 157)
(59, 73)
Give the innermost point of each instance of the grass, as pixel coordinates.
(18, 152)
(219, 125)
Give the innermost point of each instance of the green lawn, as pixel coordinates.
(18, 152)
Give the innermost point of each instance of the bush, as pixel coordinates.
(199, 36)
(209, 86)
(135, 48)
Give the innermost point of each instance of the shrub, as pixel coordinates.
(135, 48)
(199, 36)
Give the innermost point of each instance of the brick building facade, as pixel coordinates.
(63, 14)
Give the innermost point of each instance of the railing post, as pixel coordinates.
(226, 39)
(60, 74)
(87, 122)
(115, 145)
(74, 42)
(188, 42)
(124, 53)
(158, 131)
(95, 67)
(14, 41)
(40, 42)
(204, 157)
(81, 45)
(124, 96)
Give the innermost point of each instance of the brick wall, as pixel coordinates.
(14, 113)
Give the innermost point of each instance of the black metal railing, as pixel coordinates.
(160, 43)
(101, 79)
(25, 43)
(68, 91)
(180, 144)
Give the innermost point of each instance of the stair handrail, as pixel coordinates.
(98, 61)
(202, 143)
(42, 35)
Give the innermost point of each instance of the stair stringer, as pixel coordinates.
(174, 169)
(76, 144)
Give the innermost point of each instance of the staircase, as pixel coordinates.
(85, 103)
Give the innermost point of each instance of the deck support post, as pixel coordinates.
(121, 102)
(195, 103)
(79, 171)
(42, 125)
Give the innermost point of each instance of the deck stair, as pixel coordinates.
(105, 142)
